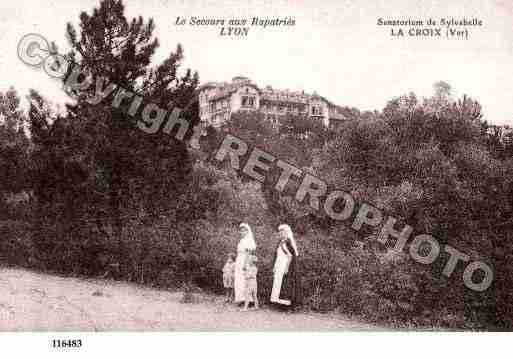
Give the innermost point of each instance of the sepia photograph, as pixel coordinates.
(258, 166)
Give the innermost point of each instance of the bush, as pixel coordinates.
(16, 248)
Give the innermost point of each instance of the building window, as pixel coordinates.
(316, 110)
(274, 122)
(248, 101)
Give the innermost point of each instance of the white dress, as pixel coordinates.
(281, 267)
(245, 244)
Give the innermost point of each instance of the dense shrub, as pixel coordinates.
(426, 164)
(15, 245)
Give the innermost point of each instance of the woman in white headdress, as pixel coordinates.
(285, 289)
(245, 247)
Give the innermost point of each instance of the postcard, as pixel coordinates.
(299, 166)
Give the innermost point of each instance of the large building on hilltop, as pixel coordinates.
(217, 101)
(504, 133)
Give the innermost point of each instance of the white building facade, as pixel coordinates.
(218, 101)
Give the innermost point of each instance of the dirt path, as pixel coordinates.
(32, 301)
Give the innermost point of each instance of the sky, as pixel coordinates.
(335, 47)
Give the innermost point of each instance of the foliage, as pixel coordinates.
(427, 163)
(14, 148)
(93, 169)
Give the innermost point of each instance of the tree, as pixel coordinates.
(442, 89)
(112, 47)
(94, 165)
(14, 146)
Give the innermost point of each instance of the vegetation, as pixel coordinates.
(431, 163)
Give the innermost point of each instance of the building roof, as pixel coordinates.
(337, 116)
(225, 89)
(210, 84)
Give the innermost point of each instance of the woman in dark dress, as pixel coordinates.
(286, 284)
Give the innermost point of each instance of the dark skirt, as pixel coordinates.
(291, 285)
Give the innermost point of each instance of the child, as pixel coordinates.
(228, 277)
(250, 273)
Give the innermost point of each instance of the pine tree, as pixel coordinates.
(119, 50)
(123, 171)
